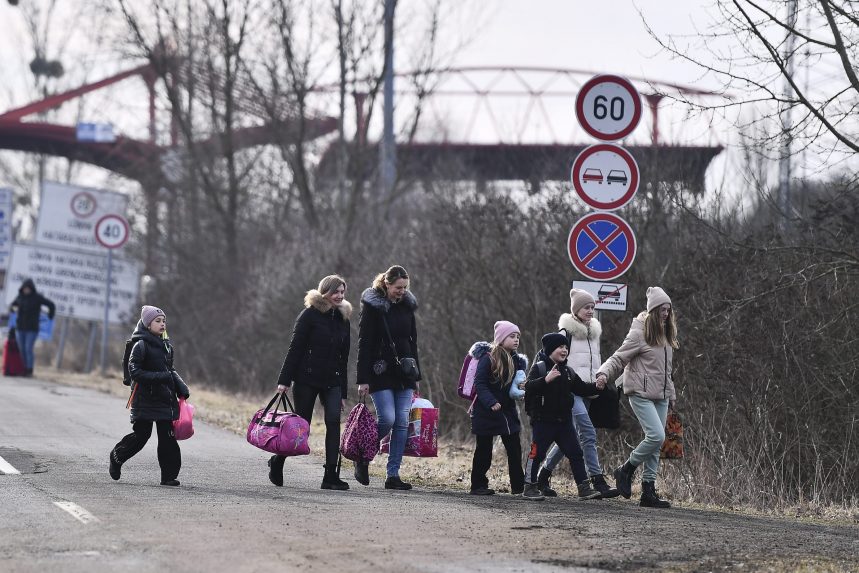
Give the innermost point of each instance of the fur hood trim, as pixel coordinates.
(577, 329)
(315, 299)
(379, 301)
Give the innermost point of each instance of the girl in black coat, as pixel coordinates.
(387, 338)
(316, 362)
(155, 386)
(494, 413)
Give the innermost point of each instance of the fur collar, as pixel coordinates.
(315, 299)
(380, 302)
(576, 329)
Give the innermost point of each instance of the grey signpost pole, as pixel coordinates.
(111, 232)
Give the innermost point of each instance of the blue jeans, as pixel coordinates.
(392, 408)
(587, 437)
(26, 342)
(651, 415)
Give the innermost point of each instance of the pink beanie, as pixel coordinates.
(150, 313)
(579, 298)
(503, 329)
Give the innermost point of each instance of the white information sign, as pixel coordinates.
(608, 296)
(68, 215)
(76, 281)
(6, 206)
(608, 107)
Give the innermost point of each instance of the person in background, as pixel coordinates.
(28, 306)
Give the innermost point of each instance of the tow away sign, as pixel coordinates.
(608, 296)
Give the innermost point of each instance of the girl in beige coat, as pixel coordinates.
(646, 358)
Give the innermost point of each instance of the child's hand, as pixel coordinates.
(600, 383)
(496, 407)
(552, 374)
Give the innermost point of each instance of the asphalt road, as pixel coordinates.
(64, 513)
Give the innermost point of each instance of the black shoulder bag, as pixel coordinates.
(408, 366)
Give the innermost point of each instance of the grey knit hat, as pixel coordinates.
(150, 313)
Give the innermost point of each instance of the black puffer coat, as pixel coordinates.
(29, 306)
(553, 401)
(490, 391)
(154, 382)
(318, 353)
(373, 342)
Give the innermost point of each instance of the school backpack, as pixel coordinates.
(126, 376)
(466, 387)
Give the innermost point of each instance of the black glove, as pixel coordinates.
(180, 386)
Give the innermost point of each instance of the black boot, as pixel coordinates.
(623, 479)
(331, 479)
(362, 472)
(275, 471)
(394, 482)
(586, 491)
(606, 491)
(115, 467)
(543, 482)
(649, 496)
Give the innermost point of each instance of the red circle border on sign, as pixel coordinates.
(580, 107)
(625, 229)
(91, 198)
(630, 162)
(124, 224)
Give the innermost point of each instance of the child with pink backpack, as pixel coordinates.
(500, 372)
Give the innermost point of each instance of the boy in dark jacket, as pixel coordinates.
(549, 403)
(28, 304)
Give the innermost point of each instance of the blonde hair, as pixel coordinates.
(330, 284)
(502, 363)
(389, 277)
(657, 335)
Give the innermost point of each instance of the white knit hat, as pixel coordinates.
(656, 297)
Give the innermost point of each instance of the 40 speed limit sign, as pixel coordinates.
(608, 107)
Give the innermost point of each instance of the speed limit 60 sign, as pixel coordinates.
(608, 107)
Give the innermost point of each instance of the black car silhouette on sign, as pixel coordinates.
(617, 176)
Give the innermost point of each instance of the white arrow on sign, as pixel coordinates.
(608, 107)
(605, 176)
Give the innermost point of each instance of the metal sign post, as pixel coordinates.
(111, 232)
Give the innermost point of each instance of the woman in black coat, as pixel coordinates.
(316, 362)
(155, 386)
(28, 304)
(388, 365)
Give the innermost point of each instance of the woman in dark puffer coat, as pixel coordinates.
(155, 386)
(316, 362)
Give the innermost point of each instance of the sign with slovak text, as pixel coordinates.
(608, 107)
(607, 296)
(68, 215)
(75, 281)
(605, 176)
(601, 246)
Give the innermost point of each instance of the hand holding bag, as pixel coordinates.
(282, 433)
(183, 428)
(360, 439)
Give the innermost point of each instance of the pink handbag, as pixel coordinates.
(284, 433)
(360, 438)
(183, 428)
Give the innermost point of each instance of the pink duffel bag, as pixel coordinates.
(360, 438)
(183, 428)
(280, 432)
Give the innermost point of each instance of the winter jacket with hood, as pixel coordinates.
(373, 344)
(584, 345)
(318, 353)
(646, 369)
(491, 391)
(155, 384)
(553, 401)
(29, 306)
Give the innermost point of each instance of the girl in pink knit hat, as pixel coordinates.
(500, 371)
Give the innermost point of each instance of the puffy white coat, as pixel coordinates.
(584, 340)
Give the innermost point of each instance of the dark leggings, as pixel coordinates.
(483, 461)
(169, 455)
(305, 399)
(563, 434)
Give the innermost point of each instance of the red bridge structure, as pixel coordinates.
(509, 133)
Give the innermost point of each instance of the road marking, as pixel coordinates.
(76, 511)
(6, 467)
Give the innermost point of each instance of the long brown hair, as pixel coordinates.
(657, 335)
(502, 364)
(389, 277)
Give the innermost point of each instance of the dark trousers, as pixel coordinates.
(305, 398)
(563, 434)
(169, 455)
(483, 461)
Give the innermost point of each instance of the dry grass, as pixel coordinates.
(450, 470)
